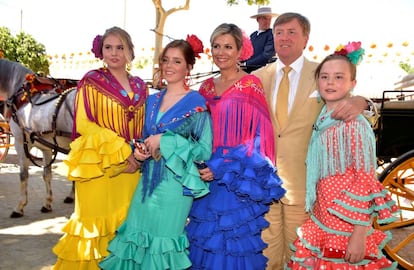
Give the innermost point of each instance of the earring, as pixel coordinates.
(238, 66)
(187, 81)
(160, 84)
(318, 97)
(128, 66)
(104, 64)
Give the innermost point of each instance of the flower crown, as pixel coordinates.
(352, 51)
(96, 47)
(196, 44)
(247, 48)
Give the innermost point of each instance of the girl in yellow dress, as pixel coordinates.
(109, 112)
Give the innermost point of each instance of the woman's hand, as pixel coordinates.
(206, 174)
(141, 152)
(152, 144)
(133, 165)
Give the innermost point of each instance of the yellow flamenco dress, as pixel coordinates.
(95, 162)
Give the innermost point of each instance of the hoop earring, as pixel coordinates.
(187, 81)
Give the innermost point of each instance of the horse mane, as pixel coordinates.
(12, 77)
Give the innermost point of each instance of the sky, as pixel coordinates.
(65, 26)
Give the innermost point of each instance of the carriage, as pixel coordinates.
(395, 155)
(5, 133)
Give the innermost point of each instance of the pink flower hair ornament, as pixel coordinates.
(196, 44)
(96, 47)
(352, 51)
(247, 48)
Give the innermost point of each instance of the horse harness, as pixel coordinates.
(30, 92)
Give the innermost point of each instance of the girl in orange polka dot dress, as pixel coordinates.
(343, 194)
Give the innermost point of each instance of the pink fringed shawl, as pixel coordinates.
(240, 115)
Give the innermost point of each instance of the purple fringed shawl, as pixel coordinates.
(109, 105)
(240, 114)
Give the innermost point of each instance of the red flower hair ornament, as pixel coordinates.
(196, 44)
(96, 47)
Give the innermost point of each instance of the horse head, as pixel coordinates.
(12, 77)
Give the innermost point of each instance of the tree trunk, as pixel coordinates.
(160, 19)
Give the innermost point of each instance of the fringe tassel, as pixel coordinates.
(330, 152)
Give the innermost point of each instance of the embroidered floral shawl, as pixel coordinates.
(109, 105)
(178, 119)
(240, 114)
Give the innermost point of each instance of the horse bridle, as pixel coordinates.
(36, 136)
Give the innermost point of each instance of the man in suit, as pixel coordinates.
(262, 40)
(291, 34)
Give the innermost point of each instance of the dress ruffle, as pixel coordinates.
(92, 156)
(177, 151)
(89, 235)
(323, 239)
(252, 177)
(225, 225)
(134, 250)
(374, 202)
(309, 257)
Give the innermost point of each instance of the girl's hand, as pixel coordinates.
(355, 251)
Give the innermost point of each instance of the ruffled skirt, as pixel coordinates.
(153, 236)
(225, 226)
(309, 254)
(103, 194)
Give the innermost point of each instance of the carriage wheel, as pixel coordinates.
(4, 138)
(398, 178)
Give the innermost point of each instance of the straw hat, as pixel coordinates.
(264, 11)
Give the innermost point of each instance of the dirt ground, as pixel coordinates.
(26, 242)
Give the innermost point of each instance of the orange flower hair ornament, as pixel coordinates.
(196, 44)
(352, 51)
(247, 48)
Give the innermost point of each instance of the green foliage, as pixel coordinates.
(407, 67)
(24, 49)
(249, 2)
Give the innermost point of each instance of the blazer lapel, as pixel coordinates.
(306, 86)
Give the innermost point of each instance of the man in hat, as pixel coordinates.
(262, 40)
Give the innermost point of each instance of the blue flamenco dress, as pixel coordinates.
(225, 225)
(153, 235)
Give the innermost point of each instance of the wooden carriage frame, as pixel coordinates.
(395, 155)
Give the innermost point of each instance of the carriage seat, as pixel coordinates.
(399, 105)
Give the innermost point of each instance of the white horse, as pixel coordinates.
(42, 120)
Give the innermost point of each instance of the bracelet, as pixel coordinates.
(139, 161)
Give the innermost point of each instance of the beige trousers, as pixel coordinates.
(284, 220)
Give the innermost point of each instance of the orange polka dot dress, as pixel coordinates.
(347, 193)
